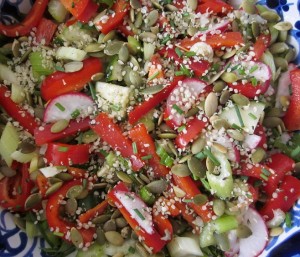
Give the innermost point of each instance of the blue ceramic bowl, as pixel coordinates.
(15, 243)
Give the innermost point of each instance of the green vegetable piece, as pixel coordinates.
(225, 223)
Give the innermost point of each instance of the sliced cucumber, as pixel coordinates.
(70, 53)
(114, 70)
(207, 236)
(57, 10)
(7, 74)
(249, 114)
(184, 246)
(76, 34)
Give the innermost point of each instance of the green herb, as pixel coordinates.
(187, 200)
(165, 40)
(177, 109)
(258, 183)
(186, 14)
(254, 68)
(137, 211)
(210, 155)
(181, 128)
(93, 92)
(19, 190)
(235, 126)
(295, 152)
(266, 172)
(238, 113)
(59, 234)
(60, 107)
(146, 195)
(234, 67)
(203, 28)
(254, 81)
(75, 114)
(134, 148)
(252, 116)
(84, 183)
(190, 54)
(288, 220)
(264, 177)
(146, 157)
(115, 108)
(184, 71)
(59, 68)
(201, 156)
(205, 184)
(165, 158)
(241, 71)
(104, 153)
(63, 149)
(215, 67)
(154, 76)
(178, 52)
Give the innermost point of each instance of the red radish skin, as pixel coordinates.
(63, 106)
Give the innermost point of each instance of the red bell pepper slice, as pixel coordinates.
(291, 118)
(31, 20)
(163, 226)
(193, 128)
(120, 9)
(259, 171)
(168, 204)
(89, 12)
(111, 133)
(77, 173)
(287, 194)
(94, 212)
(15, 190)
(43, 135)
(191, 190)
(261, 44)
(216, 41)
(42, 184)
(60, 154)
(248, 89)
(60, 82)
(134, 210)
(17, 112)
(214, 6)
(280, 164)
(142, 109)
(45, 31)
(59, 224)
(146, 146)
(123, 29)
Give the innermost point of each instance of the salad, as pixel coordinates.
(149, 128)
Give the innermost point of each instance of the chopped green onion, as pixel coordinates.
(115, 108)
(254, 68)
(59, 234)
(93, 92)
(254, 81)
(252, 116)
(209, 154)
(186, 14)
(258, 183)
(190, 54)
(203, 29)
(235, 126)
(264, 177)
(225, 223)
(129, 196)
(146, 157)
(134, 148)
(60, 107)
(241, 71)
(178, 52)
(181, 128)
(266, 172)
(165, 159)
(177, 109)
(165, 40)
(103, 152)
(137, 211)
(188, 200)
(205, 184)
(40, 65)
(63, 149)
(295, 152)
(245, 178)
(59, 68)
(288, 220)
(234, 67)
(153, 76)
(238, 113)
(215, 67)
(147, 196)
(75, 114)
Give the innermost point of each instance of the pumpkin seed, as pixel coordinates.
(240, 99)
(119, 254)
(124, 53)
(135, 78)
(243, 231)
(110, 225)
(281, 63)
(116, 214)
(94, 47)
(283, 35)
(178, 192)
(211, 104)
(135, 4)
(138, 20)
(167, 135)
(16, 48)
(125, 232)
(74, 191)
(100, 239)
(109, 36)
(273, 112)
(21, 223)
(172, 148)
(249, 6)
(141, 250)
(220, 123)
(7, 171)
(59, 126)
(196, 167)
(210, 166)
(181, 170)
(156, 5)
(222, 241)
(71, 206)
(157, 186)
(191, 31)
(192, 4)
(171, 7)
(272, 122)
(219, 207)
(114, 238)
(258, 155)
(64, 176)
(89, 137)
(225, 95)
(132, 15)
(165, 128)
(144, 178)
(215, 77)
(235, 26)
(52, 189)
(151, 18)
(101, 219)
(185, 158)
(152, 90)
(76, 238)
(73, 66)
(276, 231)
(290, 55)
(270, 16)
(54, 180)
(26, 147)
(219, 86)
(229, 77)
(121, 222)
(243, 48)
(113, 47)
(147, 37)
(278, 48)
(123, 177)
(83, 194)
(154, 30)
(235, 134)
(229, 54)
(191, 112)
(220, 148)
(33, 200)
(274, 33)
(198, 145)
(283, 26)
(255, 29)
(200, 199)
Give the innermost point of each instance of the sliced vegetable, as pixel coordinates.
(184, 246)
(45, 31)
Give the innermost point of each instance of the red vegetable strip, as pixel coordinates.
(146, 146)
(111, 133)
(17, 112)
(42, 184)
(94, 212)
(214, 6)
(45, 31)
(163, 226)
(260, 46)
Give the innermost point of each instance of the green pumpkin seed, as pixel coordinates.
(124, 53)
(283, 35)
(94, 47)
(135, 78)
(151, 18)
(219, 207)
(273, 112)
(278, 48)
(135, 4)
(123, 177)
(59, 126)
(21, 223)
(52, 189)
(152, 90)
(73, 66)
(178, 192)
(222, 241)
(235, 134)
(276, 231)
(74, 191)
(185, 158)
(138, 20)
(235, 26)
(147, 37)
(144, 178)
(172, 148)
(198, 145)
(290, 55)
(192, 4)
(243, 231)
(229, 77)
(210, 166)
(54, 180)
(243, 48)
(181, 170)
(76, 238)
(15, 48)
(157, 186)
(33, 200)
(274, 33)
(283, 26)
(249, 6)
(191, 112)
(119, 254)
(255, 29)
(116, 214)
(270, 16)
(83, 194)
(64, 176)
(219, 86)
(258, 155)
(114, 238)
(211, 104)
(26, 147)
(281, 63)
(132, 15)
(240, 99)
(171, 7)
(167, 135)
(89, 137)
(7, 171)
(200, 199)
(113, 47)
(110, 225)
(191, 31)
(121, 222)
(156, 5)
(220, 123)
(109, 36)
(101, 219)
(220, 148)
(272, 122)
(197, 168)
(225, 95)
(229, 54)
(100, 239)
(71, 206)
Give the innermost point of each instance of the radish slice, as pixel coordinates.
(181, 99)
(251, 141)
(68, 106)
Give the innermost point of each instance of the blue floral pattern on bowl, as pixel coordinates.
(15, 243)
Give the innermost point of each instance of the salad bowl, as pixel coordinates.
(15, 242)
